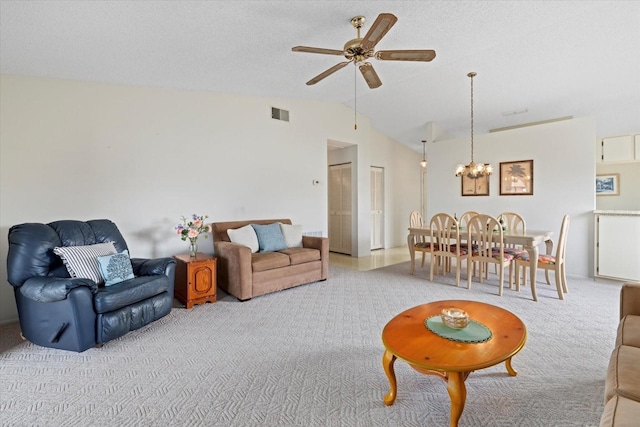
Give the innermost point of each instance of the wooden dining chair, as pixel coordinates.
(445, 234)
(420, 244)
(465, 217)
(512, 222)
(548, 263)
(486, 238)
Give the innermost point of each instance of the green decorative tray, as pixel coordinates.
(474, 332)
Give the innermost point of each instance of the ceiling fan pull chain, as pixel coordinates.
(355, 98)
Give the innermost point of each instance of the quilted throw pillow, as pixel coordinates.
(115, 268)
(270, 237)
(82, 261)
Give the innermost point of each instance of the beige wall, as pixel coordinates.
(144, 156)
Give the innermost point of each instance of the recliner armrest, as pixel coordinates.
(51, 289)
(151, 267)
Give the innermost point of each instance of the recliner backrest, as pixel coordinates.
(31, 246)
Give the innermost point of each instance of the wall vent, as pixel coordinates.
(279, 114)
(312, 233)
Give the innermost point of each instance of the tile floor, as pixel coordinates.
(379, 258)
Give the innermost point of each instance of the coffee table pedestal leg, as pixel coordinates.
(388, 359)
(510, 369)
(458, 395)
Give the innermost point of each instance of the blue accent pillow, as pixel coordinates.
(115, 268)
(270, 237)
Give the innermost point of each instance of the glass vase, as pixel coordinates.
(193, 248)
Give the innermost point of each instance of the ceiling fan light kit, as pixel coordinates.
(473, 170)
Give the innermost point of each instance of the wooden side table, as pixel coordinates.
(195, 279)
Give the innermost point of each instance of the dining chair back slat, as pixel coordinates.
(445, 234)
(486, 240)
(420, 244)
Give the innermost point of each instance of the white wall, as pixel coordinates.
(145, 156)
(402, 173)
(401, 189)
(629, 198)
(563, 156)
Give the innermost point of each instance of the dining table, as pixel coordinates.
(529, 239)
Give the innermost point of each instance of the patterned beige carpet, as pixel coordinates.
(311, 356)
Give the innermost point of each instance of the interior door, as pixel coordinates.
(340, 214)
(377, 208)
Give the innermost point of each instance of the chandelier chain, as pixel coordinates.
(471, 118)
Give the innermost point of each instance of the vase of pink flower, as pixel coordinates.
(190, 229)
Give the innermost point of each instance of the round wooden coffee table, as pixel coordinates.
(407, 338)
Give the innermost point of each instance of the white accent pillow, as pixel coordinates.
(292, 235)
(82, 261)
(244, 236)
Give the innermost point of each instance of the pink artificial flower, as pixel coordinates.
(192, 234)
(198, 223)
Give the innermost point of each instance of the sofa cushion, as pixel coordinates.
(620, 412)
(115, 268)
(82, 261)
(270, 237)
(268, 261)
(629, 331)
(245, 236)
(301, 255)
(129, 292)
(292, 235)
(623, 373)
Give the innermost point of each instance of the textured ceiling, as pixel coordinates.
(550, 58)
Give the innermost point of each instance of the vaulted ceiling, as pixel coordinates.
(536, 60)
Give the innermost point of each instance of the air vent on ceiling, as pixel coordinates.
(279, 114)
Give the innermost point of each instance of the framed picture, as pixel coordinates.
(475, 186)
(516, 178)
(608, 185)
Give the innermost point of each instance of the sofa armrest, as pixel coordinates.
(321, 244)
(630, 299)
(235, 274)
(51, 289)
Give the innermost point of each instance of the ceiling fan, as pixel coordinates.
(360, 49)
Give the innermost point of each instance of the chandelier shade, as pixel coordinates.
(473, 170)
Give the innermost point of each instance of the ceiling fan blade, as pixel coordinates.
(327, 73)
(406, 55)
(380, 27)
(317, 50)
(370, 75)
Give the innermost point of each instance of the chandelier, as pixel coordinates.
(473, 170)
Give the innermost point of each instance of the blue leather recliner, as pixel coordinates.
(58, 311)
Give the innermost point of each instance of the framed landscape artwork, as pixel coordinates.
(516, 178)
(608, 185)
(475, 186)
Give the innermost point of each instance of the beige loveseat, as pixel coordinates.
(245, 275)
(622, 388)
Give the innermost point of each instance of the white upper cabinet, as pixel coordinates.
(620, 149)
